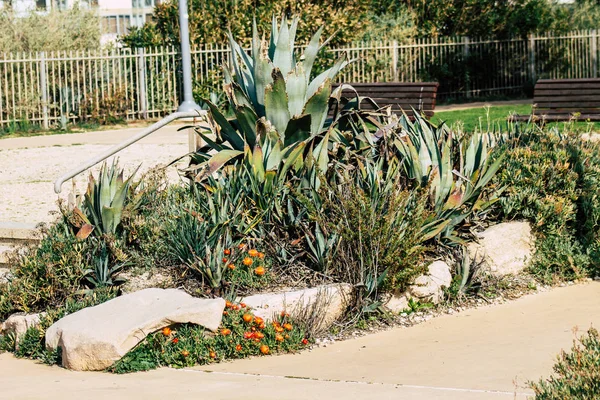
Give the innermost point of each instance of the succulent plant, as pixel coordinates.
(457, 169)
(274, 101)
(105, 198)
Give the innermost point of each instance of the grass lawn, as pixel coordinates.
(486, 118)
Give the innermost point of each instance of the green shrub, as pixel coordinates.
(550, 178)
(577, 374)
(379, 230)
(48, 275)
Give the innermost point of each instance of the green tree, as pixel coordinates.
(210, 20)
(72, 29)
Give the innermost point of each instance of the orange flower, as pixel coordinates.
(227, 252)
(260, 271)
(235, 307)
(287, 336)
(243, 305)
(212, 354)
(247, 318)
(288, 326)
(238, 347)
(279, 329)
(225, 313)
(258, 320)
(185, 353)
(261, 255)
(279, 338)
(224, 260)
(231, 266)
(248, 335)
(175, 341)
(247, 261)
(264, 349)
(284, 314)
(253, 253)
(261, 326)
(305, 341)
(225, 332)
(241, 246)
(227, 304)
(166, 331)
(259, 335)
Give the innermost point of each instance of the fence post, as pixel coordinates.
(532, 67)
(466, 41)
(594, 55)
(142, 87)
(44, 90)
(395, 60)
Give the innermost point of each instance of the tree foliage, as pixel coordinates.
(210, 20)
(351, 20)
(73, 29)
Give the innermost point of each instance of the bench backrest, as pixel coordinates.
(558, 99)
(400, 95)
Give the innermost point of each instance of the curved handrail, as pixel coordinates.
(115, 149)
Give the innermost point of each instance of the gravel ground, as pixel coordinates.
(27, 174)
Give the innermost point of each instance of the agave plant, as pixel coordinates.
(457, 170)
(105, 198)
(274, 101)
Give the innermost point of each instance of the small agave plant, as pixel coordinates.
(279, 112)
(457, 170)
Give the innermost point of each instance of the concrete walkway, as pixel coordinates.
(486, 353)
(29, 165)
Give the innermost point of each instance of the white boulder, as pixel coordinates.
(95, 337)
(504, 249)
(329, 302)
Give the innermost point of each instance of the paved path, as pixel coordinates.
(29, 165)
(483, 354)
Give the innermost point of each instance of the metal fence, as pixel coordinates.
(53, 88)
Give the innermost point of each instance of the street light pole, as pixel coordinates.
(188, 103)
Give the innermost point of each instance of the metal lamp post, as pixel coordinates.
(188, 103)
(187, 109)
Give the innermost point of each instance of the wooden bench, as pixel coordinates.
(401, 96)
(565, 99)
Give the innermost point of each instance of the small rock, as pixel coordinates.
(18, 324)
(135, 283)
(504, 249)
(430, 287)
(328, 301)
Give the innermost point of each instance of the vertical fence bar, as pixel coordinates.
(143, 105)
(465, 41)
(532, 59)
(43, 88)
(594, 52)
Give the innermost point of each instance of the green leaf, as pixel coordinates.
(228, 132)
(317, 107)
(276, 102)
(298, 129)
(217, 161)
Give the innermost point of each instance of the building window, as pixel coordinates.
(144, 3)
(61, 4)
(41, 5)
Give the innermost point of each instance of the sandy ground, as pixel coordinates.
(29, 166)
(481, 354)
